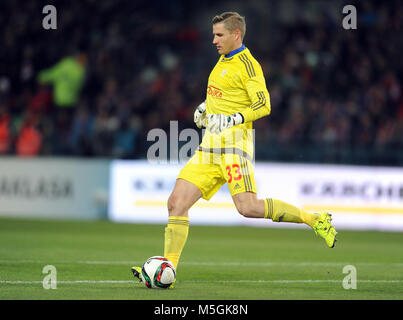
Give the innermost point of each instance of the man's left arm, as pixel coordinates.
(260, 107)
(260, 97)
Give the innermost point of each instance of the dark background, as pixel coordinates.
(336, 94)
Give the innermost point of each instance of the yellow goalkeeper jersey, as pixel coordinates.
(236, 85)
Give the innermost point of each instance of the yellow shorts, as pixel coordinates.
(209, 171)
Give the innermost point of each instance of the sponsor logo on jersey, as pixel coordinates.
(214, 91)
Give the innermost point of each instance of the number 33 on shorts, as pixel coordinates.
(239, 178)
(233, 172)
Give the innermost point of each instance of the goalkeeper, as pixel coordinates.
(236, 96)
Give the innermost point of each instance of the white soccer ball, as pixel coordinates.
(158, 272)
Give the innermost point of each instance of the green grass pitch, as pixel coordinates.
(93, 261)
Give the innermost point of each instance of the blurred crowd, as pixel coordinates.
(114, 70)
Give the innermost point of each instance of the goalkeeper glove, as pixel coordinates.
(200, 115)
(219, 122)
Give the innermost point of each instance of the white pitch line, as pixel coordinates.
(70, 282)
(291, 281)
(196, 281)
(298, 264)
(217, 264)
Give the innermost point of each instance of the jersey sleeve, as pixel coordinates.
(260, 98)
(255, 85)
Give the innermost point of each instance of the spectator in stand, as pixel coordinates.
(67, 78)
(41, 102)
(331, 89)
(5, 130)
(81, 131)
(125, 140)
(29, 140)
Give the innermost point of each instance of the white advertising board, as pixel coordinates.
(368, 198)
(53, 188)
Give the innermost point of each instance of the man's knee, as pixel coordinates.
(176, 205)
(173, 202)
(247, 208)
(183, 197)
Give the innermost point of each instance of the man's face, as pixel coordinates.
(224, 40)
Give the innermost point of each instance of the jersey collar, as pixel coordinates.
(234, 52)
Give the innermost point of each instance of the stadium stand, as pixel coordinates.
(336, 94)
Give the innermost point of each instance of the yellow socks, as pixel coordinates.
(176, 234)
(309, 218)
(280, 211)
(177, 230)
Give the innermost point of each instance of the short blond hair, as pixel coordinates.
(232, 21)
